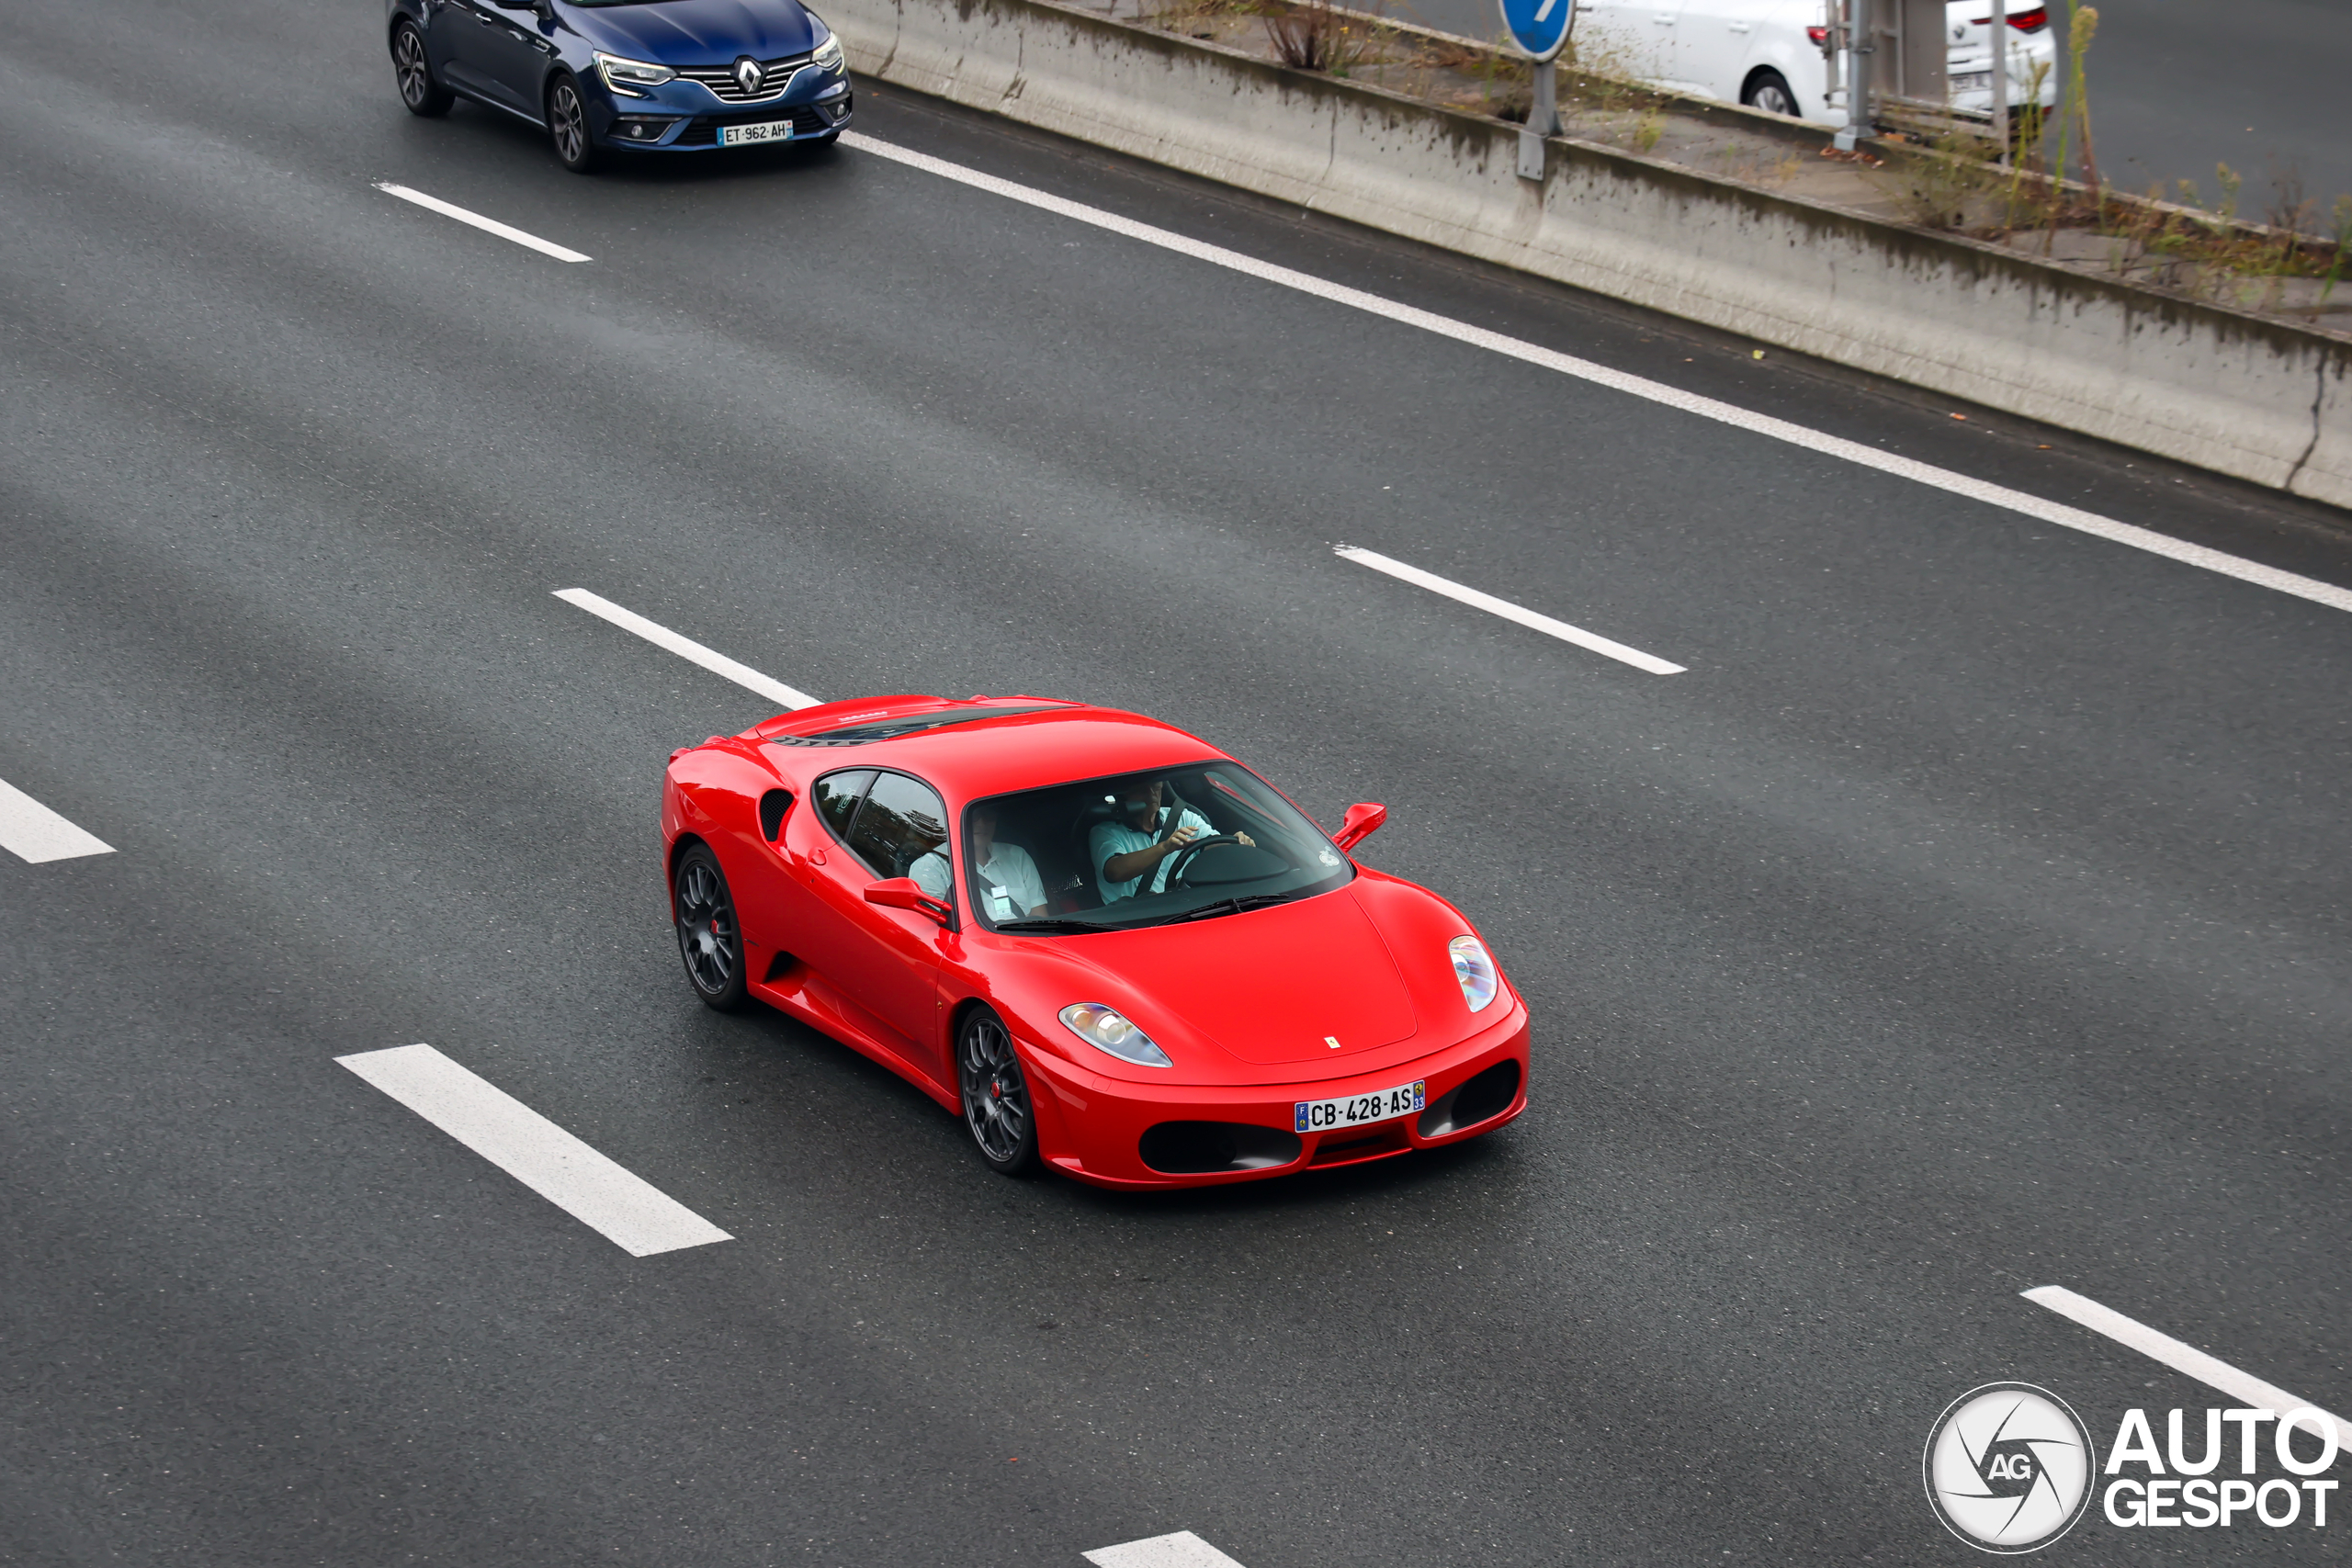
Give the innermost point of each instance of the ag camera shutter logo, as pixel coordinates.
(2008, 1467)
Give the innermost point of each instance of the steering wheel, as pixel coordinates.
(1184, 856)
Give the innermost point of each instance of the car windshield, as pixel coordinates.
(1190, 842)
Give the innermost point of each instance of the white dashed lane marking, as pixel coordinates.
(32, 832)
(2186, 1358)
(687, 649)
(487, 225)
(1509, 611)
(1183, 1550)
(1839, 446)
(615, 1202)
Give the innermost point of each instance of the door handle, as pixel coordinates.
(1740, 28)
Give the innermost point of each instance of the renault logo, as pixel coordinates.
(748, 73)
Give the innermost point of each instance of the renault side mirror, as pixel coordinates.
(906, 893)
(1362, 820)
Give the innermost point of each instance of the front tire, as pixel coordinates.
(710, 939)
(1770, 91)
(996, 1108)
(575, 146)
(413, 73)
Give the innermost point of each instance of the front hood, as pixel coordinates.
(699, 32)
(1269, 986)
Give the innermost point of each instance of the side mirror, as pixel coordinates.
(906, 893)
(1362, 820)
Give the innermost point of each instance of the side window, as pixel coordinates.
(903, 823)
(836, 796)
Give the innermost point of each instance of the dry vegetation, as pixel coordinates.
(2042, 194)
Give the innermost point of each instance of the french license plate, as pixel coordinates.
(1967, 80)
(744, 135)
(1361, 1110)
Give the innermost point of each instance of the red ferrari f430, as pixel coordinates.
(1109, 948)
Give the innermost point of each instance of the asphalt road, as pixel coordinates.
(1970, 916)
(2177, 86)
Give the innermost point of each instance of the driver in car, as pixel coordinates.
(1139, 841)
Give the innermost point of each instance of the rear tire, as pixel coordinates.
(413, 73)
(575, 146)
(710, 939)
(1770, 91)
(997, 1106)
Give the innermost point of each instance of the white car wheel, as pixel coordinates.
(1770, 91)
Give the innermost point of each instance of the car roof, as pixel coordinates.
(978, 746)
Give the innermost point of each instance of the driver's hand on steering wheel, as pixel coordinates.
(1245, 838)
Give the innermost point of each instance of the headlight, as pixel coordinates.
(625, 76)
(828, 55)
(1475, 970)
(1103, 1029)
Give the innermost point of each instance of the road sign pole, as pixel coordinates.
(1540, 30)
(1543, 116)
(1861, 44)
(2001, 79)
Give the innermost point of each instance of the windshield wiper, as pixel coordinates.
(1047, 926)
(1229, 907)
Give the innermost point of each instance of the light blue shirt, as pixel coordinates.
(1012, 885)
(929, 873)
(1109, 840)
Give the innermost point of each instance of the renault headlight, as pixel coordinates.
(1475, 968)
(1103, 1029)
(626, 76)
(828, 54)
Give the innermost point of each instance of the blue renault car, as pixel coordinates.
(660, 76)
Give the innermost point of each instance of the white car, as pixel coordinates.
(1769, 53)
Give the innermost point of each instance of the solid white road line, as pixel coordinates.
(2244, 1386)
(487, 225)
(31, 832)
(1928, 474)
(535, 1151)
(687, 649)
(1183, 1550)
(1509, 611)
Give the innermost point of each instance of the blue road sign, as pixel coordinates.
(1538, 27)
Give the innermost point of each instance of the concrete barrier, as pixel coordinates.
(2236, 393)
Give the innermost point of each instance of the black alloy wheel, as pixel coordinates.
(414, 72)
(567, 127)
(1770, 91)
(995, 1094)
(710, 937)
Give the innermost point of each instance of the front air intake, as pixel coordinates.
(1478, 1099)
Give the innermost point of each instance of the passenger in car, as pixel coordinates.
(1137, 842)
(1004, 878)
